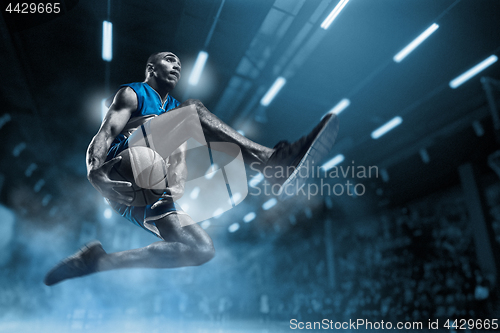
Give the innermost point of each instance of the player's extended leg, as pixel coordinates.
(181, 246)
(284, 154)
(215, 130)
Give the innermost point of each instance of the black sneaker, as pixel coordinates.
(308, 151)
(80, 264)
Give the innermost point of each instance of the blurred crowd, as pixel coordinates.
(411, 263)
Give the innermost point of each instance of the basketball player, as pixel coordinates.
(183, 242)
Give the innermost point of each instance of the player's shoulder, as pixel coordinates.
(134, 85)
(126, 96)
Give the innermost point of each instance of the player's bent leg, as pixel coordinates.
(193, 246)
(181, 246)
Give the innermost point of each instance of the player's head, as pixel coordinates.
(164, 67)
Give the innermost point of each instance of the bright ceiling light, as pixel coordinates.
(205, 224)
(107, 40)
(256, 180)
(333, 162)
(273, 91)
(234, 199)
(391, 124)
(198, 68)
(335, 12)
(459, 80)
(269, 204)
(341, 106)
(108, 213)
(218, 212)
(249, 217)
(233, 227)
(416, 42)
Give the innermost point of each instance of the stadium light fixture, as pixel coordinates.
(459, 80)
(198, 68)
(256, 180)
(333, 162)
(391, 124)
(273, 91)
(234, 227)
(249, 217)
(341, 106)
(415, 43)
(218, 213)
(333, 14)
(108, 213)
(269, 204)
(234, 198)
(107, 41)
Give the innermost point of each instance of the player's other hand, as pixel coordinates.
(106, 186)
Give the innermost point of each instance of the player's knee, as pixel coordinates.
(205, 253)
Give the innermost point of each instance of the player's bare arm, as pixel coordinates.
(124, 103)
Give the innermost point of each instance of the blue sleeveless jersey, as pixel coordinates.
(149, 101)
(149, 105)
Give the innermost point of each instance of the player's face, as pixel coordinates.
(168, 68)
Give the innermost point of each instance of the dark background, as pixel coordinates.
(412, 247)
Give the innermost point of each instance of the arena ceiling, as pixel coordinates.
(54, 77)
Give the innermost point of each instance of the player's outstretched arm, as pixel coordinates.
(124, 104)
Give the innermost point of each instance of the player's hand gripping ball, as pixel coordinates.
(146, 170)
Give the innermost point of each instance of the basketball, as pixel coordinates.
(146, 170)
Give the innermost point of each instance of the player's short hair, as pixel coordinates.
(152, 59)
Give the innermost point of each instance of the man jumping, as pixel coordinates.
(183, 242)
